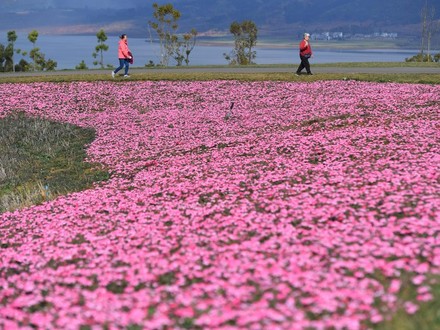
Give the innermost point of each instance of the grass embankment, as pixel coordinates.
(40, 160)
(281, 72)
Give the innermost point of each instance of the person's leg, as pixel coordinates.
(307, 65)
(301, 66)
(127, 64)
(121, 65)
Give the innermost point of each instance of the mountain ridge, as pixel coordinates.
(273, 18)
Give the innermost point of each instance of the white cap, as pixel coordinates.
(306, 35)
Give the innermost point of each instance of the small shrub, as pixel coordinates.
(81, 66)
(420, 58)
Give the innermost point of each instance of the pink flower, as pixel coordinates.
(419, 279)
(289, 213)
(410, 308)
(394, 286)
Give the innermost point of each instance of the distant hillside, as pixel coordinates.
(274, 18)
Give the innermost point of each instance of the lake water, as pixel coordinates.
(69, 51)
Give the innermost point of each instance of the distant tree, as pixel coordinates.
(419, 58)
(81, 66)
(12, 38)
(33, 36)
(2, 57)
(245, 39)
(189, 42)
(50, 65)
(33, 54)
(100, 48)
(23, 65)
(150, 64)
(9, 55)
(165, 24)
(183, 46)
(177, 51)
(38, 58)
(430, 27)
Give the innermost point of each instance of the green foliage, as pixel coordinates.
(2, 57)
(150, 64)
(81, 66)
(7, 53)
(165, 24)
(23, 65)
(12, 38)
(33, 36)
(100, 48)
(421, 58)
(39, 59)
(50, 65)
(184, 47)
(40, 160)
(6, 58)
(245, 38)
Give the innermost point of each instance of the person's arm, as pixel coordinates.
(303, 45)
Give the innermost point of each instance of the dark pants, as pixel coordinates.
(123, 62)
(304, 64)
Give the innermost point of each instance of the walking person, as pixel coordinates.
(305, 52)
(124, 56)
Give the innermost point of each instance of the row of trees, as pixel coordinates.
(172, 45)
(37, 61)
(179, 47)
(165, 24)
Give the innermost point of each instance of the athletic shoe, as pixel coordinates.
(310, 74)
(126, 76)
(113, 74)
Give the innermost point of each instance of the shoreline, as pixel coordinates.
(356, 44)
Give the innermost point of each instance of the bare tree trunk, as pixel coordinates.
(424, 17)
(433, 28)
(430, 27)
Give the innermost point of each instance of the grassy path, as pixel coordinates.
(378, 68)
(425, 73)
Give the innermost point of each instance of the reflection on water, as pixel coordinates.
(69, 51)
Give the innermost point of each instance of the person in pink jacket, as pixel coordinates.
(124, 56)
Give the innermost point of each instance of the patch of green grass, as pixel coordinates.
(416, 78)
(41, 160)
(428, 315)
(215, 72)
(380, 65)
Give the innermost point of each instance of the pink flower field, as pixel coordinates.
(302, 207)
